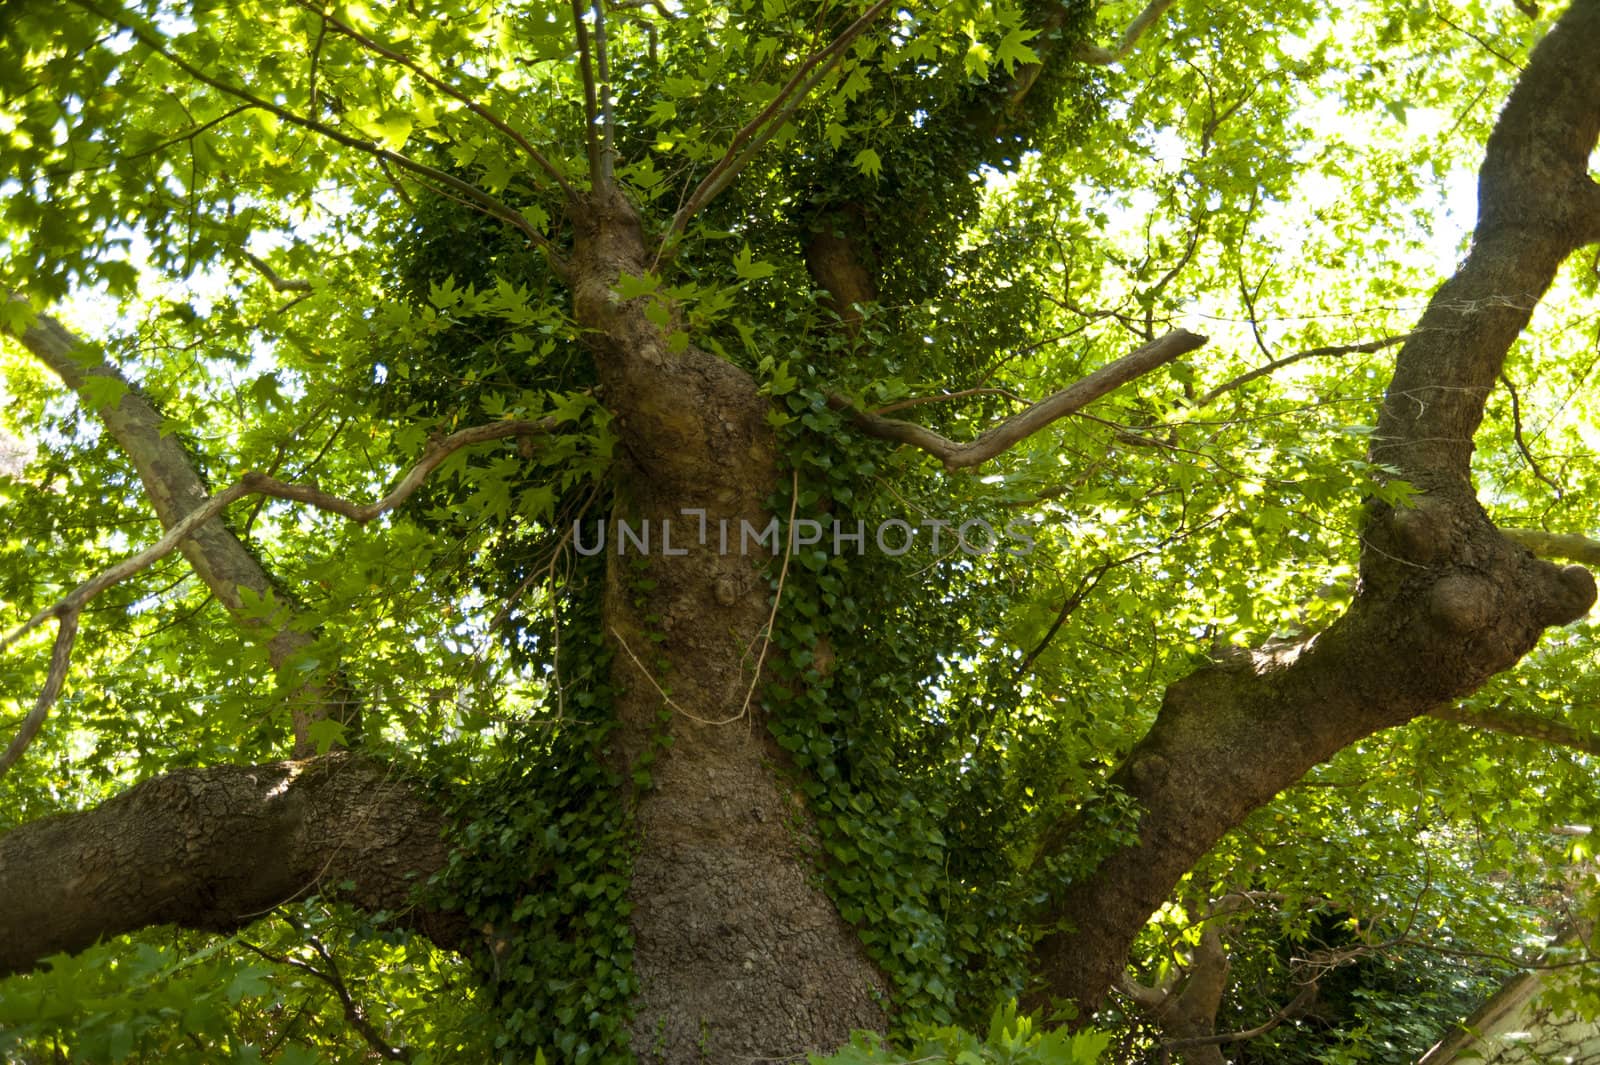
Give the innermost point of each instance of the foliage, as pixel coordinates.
(1011, 1040)
(1285, 180)
(256, 998)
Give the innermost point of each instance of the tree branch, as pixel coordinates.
(1444, 600)
(1020, 426)
(221, 560)
(608, 125)
(175, 490)
(591, 108)
(353, 1012)
(215, 848)
(507, 129)
(1288, 360)
(1516, 723)
(1089, 53)
(1567, 546)
(1522, 443)
(278, 282)
(755, 134)
(1290, 1010)
(260, 484)
(1531, 216)
(482, 200)
(945, 397)
(60, 660)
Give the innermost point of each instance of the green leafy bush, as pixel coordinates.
(1013, 1039)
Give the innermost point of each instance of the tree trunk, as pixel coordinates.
(738, 953)
(1445, 601)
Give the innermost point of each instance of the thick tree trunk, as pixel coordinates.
(1445, 601)
(739, 954)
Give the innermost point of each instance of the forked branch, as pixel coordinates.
(1013, 430)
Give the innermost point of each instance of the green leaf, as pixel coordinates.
(867, 161)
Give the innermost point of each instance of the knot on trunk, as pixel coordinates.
(1462, 603)
(1423, 533)
(1568, 593)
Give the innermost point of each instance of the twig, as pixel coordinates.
(1289, 1011)
(1522, 445)
(1312, 353)
(945, 397)
(1485, 45)
(485, 202)
(1086, 584)
(334, 979)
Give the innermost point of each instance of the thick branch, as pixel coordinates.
(1089, 53)
(1532, 192)
(1019, 427)
(215, 848)
(1445, 601)
(1515, 723)
(1566, 546)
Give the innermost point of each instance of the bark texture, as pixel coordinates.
(739, 954)
(1445, 601)
(217, 848)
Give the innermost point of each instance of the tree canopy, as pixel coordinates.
(673, 532)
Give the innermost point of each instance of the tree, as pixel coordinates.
(680, 675)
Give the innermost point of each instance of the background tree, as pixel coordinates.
(527, 275)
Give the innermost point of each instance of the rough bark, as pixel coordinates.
(215, 849)
(1445, 600)
(175, 489)
(739, 954)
